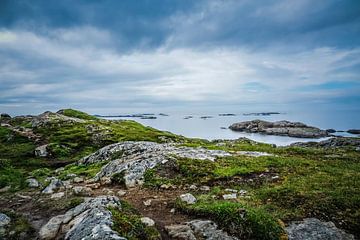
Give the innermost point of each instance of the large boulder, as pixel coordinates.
(132, 159)
(89, 220)
(314, 229)
(281, 128)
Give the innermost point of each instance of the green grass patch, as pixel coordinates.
(77, 114)
(128, 224)
(236, 218)
(88, 171)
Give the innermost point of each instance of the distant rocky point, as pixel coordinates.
(354, 131)
(280, 128)
(261, 114)
(227, 114)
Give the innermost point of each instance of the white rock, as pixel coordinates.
(193, 187)
(147, 202)
(54, 185)
(78, 179)
(82, 191)
(121, 193)
(32, 183)
(204, 188)
(229, 196)
(231, 190)
(57, 195)
(188, 198)
(41, 151)
(147, 221)
(4, 220)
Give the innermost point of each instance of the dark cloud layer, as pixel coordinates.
(160, 53)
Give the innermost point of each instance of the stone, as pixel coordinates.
(331, 143)
(147, 202)
(5, 116)
(204, 188)
(253, 153)
(32, 183)
(41, 151)
(59, 170)
(5, 189)
(193, 187)
(231, 190)
(137, 157)
(229, 196)
(197, 229)
(354, 131)
(314, 229)
(57, 195)
(188, 198)
(54, 185)
(78, 179)
(121, 193)
(89, 220)
(280, 128)
(4, 220)
(82, 191)
(147, 221)
(108, 191)
(105, 181)
(51, 228)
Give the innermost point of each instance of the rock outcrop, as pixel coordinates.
(132, 159)
(280, 128)
(197, 229)
(51, 118)
(314, 229)
(89, 220)
(331, 142)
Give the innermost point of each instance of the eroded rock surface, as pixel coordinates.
(197, 229)
(134, 158)
(281, 128)
(314, 229)
(89, 220)
(331, 142)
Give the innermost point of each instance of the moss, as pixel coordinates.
(236, 218)
(89, 170)
(10, 176)
(128, 224)
(77, 114)
(151, 179)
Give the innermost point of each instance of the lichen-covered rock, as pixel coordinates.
(50, 118)
(197, 229)
(32, 183)
(89, 220)
(132, 159)
(188, 198)
(4, 220)
(314, 229)
(54, 185)
(331, 142)
(41, 151)
(281, 128)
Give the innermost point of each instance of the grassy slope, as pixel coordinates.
(312, 182)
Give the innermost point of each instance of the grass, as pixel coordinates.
(236, 218)
(128, 224)
(88, 171)
(18, 228)
(77, 114)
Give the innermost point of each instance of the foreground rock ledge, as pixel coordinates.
(280, 128)
(132, 159)
(89, 220)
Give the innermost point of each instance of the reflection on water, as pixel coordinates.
(216, 127)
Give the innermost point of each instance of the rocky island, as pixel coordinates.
(280, 128)
(70, 175)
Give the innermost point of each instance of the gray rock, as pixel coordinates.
(281, 128)
(4, 220)
(229, 196)
(57, 195)
(78, 179)
(32, 183)
(121, 193)
(314, 229)
(137, 157)
(54, 185)
(82, 191)
(5, 116)
(188, 198)
(253, 154)
(41, 151)
(354, 131)
(331, 142)
(51, 118)
(147, 221)
(89, 220)
(197, 229)
(204, 188)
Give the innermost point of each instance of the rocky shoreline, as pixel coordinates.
(280, 128)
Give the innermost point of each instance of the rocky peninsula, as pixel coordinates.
(280, 128)
(70, 175)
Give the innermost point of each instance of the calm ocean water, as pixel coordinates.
(211, 128)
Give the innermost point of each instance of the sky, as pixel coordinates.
(108, 57)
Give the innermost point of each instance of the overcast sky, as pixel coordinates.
(153, 55)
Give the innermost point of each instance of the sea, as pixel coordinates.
(215, 126)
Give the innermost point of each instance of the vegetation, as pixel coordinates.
(127, 222)
(77, 114)
(237, 218)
